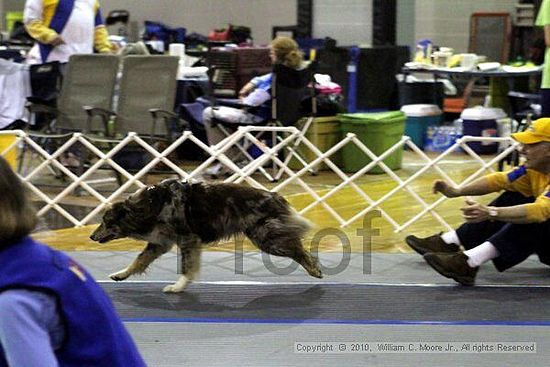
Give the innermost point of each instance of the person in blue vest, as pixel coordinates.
(63, 28)
(52, 312)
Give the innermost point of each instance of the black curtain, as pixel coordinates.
(305, 18)
(384, 16)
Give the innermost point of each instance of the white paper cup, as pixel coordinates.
(469, 61)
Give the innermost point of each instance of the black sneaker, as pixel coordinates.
(453, 265)
(430, 244)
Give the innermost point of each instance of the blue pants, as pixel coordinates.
(515, 242)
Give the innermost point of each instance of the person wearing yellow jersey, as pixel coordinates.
(508, 230)
(63, 28)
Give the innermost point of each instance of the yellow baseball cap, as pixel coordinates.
(537, 132)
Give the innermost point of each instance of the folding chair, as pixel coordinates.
(523, 105)
(289, 89)
(87, 79)
(45, 82)
(524, 108)
(147, 87)
(192, 114)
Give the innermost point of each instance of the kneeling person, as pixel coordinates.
(511, 228)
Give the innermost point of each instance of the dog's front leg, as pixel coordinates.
(151, 252)
(189, 261)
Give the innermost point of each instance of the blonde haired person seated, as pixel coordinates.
(255, 93)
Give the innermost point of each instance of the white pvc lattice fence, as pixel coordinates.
(38, 158)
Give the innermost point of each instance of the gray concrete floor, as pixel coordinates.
(272, 344)
(196, 344)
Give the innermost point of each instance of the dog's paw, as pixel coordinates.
(119, 275)
(316, 273)
(172, 288)
(178, 286)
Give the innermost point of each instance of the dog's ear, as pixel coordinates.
(159, 195)
(114, 212)
(150, 200)
(180, 191)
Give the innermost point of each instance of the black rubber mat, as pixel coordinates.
(332, 303)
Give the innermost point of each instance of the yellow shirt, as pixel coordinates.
(527, 182)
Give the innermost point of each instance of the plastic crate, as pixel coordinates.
(6, 140)
(379, 132)
(324, 133)
(234, 67)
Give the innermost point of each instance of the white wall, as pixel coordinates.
(347, 21)
(447, 22)
(9, 5)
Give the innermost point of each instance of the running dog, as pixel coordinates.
(189, 215)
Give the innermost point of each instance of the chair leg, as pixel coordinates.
(294, 153)
(20, 158)
(293, 149)
(243, 149)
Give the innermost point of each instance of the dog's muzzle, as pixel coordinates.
(103, 239)
(101, 236)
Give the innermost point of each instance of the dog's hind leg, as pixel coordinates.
(151, 252)
(286, 245)
(310, 263)
(294, 250)
(304, 258)
(189, 258)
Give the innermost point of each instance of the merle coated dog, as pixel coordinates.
(189, 215)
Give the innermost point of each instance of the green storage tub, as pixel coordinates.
(324, 133)
(378, 131)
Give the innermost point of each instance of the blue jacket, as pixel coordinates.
(95, 336)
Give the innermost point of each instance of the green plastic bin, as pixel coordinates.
(324, 133)
(378, 131)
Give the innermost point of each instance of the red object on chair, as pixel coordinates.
(458, 104)
(454, 105)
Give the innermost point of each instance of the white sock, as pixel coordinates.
(451, 237)
(481, 254)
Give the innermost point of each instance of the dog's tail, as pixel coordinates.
(294, 222)
(298, 224)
